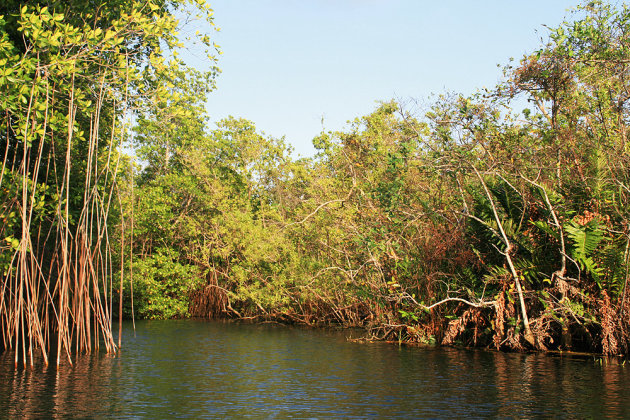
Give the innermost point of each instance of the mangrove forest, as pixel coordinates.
(497, 220)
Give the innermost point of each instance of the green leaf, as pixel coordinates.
(546, 228)
(585, 239)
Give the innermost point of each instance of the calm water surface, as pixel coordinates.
(197, 369)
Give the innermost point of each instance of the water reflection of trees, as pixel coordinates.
(81, 390)
(534, 384)
(193, 369)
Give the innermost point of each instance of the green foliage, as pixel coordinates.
(584, 240)
(163, 284)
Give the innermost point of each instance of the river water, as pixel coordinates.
(205, 369)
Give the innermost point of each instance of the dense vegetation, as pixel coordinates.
(473, 221)
(72, 74)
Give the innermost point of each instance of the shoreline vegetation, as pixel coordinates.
(498, 220)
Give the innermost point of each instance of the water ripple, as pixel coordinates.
(196, 369)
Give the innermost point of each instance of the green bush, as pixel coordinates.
(162, 285)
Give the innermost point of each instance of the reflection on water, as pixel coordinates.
(196, 369)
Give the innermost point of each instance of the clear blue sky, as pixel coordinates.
(289, 64)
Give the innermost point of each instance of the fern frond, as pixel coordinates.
(496, 272)
(584, 239)
(528, 269)
(545, 227)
